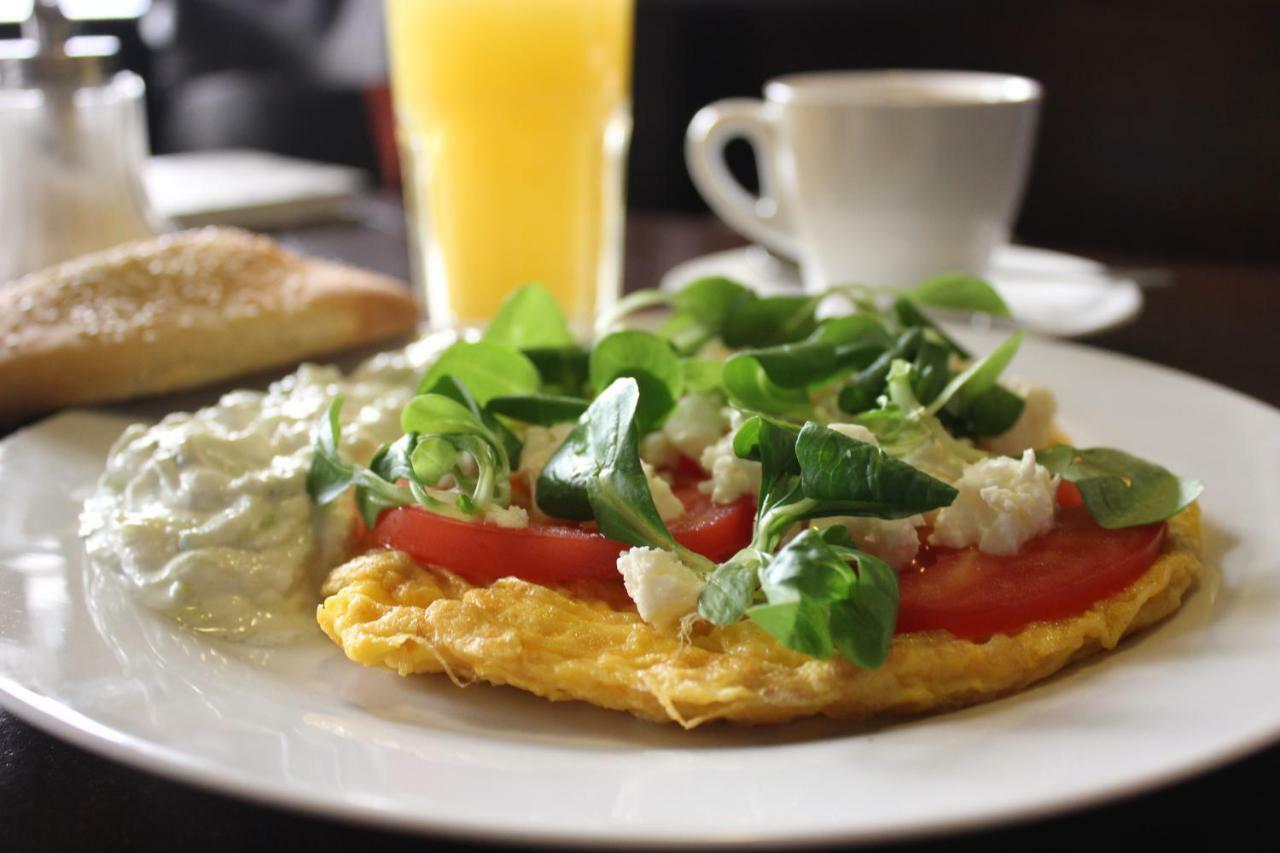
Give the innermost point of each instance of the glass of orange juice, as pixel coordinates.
(513, 118)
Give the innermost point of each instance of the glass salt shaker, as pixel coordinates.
(72, 147)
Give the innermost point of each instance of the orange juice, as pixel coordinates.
(515, 116)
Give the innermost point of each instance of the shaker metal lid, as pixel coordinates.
(48, 55)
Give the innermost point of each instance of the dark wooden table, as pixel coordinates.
(1215, 319)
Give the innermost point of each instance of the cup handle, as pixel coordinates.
(762, 218)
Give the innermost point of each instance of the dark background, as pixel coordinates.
(1160, 129)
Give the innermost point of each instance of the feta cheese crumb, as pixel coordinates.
(656, 449)
(1002, 503)
(893, 540)
(731, 477)
(695, 423)
(512, 516)
(1034, 427)
(540, 443)
(663, 588)
(669, 506)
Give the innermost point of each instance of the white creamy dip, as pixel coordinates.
(206, 515)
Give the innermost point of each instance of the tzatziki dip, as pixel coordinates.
(206, 517)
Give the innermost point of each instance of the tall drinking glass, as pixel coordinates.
(513, 118)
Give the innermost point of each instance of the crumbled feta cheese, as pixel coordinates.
(1002, 503)
(669, 506)
(731, 477)
(512, 516)
(656, 449)
(893, 540)
(1034, 427)
(663, 588)
(695, 423)
(540, 443)
(857, 432)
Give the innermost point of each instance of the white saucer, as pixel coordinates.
(1050, 293)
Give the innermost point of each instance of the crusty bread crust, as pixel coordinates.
(180, 311)
(385, 610)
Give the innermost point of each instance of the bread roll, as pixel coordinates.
(180, 311)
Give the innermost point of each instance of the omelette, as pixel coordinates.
(586, 642)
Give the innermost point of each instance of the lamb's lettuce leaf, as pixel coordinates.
(958, 292)
(486, 369)
(541, 409)
(650, 360)
(597, 474)
(529, 318)
(1119, 489)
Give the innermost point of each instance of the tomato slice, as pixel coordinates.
(550, 553)
(1060, 574)
(1069, 496)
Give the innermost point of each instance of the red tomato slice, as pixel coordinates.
(1069, 496)
(1060, 574)
(548, 553)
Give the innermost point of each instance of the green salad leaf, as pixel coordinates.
(486, 369)
(931, 369)
(377, 490)
(702, 375)
(435, 417)
(905, 429)
(747, 383)
(701, 310)
(439, 414)
(429, 461)
(647, 358)
(1119, 489)
(978, 378)
(442, 433)
(816, 602)
(597, 474)
(731, 586)
(711, 301)
(563, 369)
(844, 476)
(329, 475)
(529, 318)
(865, 388)
(767, 321)
(853, 331)
(989, 413)
(797, 365)
(540, 409)
(810, 600)
(911, 317)
(450, 386)
(958, 292)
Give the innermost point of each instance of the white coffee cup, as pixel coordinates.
(882, 178)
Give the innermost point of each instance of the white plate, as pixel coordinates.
(302, 727)
(1049, 293)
